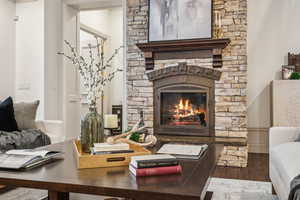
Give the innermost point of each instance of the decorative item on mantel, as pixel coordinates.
(295, 76)
(96, 73)
(287, 71)
(294, 59)
(218, 33)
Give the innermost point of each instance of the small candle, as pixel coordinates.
(217, 18)
(220, 21)
(111, 121)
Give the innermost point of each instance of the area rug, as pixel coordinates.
(232, 189)
(223, 189)
(24, 194)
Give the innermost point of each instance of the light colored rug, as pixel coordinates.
(24, 194)
(224, 189)
(232, 189)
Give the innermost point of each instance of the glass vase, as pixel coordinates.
(92, 129)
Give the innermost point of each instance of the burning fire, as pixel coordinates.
(185, 109)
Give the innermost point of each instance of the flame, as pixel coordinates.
(185, 109)
(181, 104)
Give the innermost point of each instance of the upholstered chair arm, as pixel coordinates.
(280, 135)
(53, 128)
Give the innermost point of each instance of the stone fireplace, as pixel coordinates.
(166, 89)
(184, 100)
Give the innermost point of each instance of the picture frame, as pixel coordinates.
(287, 71)
(163, 26)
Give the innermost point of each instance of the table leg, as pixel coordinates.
(273, 190)
(52, 195)
(208, 196)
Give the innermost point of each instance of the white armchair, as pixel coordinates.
(53, 128)
(284, 158)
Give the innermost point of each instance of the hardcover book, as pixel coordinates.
(110, 147)
(151, 161)
(95, 152)
(156, 163)
(157, 171)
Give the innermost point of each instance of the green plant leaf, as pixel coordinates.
(135, 137)
(295, 76)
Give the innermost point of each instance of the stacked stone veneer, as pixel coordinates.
(230, 92)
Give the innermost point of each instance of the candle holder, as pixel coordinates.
(218, 33)
(111, 123)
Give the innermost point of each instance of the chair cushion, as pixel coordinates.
(285, 158)
(7, 117)
(25, 113)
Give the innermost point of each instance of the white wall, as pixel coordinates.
(30, 53)
(97, 19)
(39, 73)
(116, 33)
(70, 78)
(53, 62)
(110, 23)
(273, 31)
(7, 49)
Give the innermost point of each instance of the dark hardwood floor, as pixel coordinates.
(257, 169)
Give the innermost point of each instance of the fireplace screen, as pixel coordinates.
(184, 109)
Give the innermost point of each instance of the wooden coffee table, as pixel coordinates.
(62, 177)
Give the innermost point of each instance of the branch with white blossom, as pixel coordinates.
(95, 71)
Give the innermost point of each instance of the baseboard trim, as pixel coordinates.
(258, 139)
(256, 129)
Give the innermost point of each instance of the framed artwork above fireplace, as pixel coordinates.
(179, 19)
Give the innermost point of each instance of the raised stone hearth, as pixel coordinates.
(230, 90)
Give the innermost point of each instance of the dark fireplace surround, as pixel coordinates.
(183, 114)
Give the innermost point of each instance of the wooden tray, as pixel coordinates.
(85, 160)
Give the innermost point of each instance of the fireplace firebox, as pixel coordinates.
(184, 106)
(184, 100)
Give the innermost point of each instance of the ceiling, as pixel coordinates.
(93, 4)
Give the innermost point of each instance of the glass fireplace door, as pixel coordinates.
(184, 107)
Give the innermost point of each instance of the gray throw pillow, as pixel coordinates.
(25, 114)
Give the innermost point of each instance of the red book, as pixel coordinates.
(157, 171)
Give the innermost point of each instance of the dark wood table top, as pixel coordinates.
(63, 176)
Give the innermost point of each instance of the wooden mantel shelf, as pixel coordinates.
(184, 49)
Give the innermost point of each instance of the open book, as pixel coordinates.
(22, 159)
(185, 151)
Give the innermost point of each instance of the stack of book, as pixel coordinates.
(105, 148)
(154, 165)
